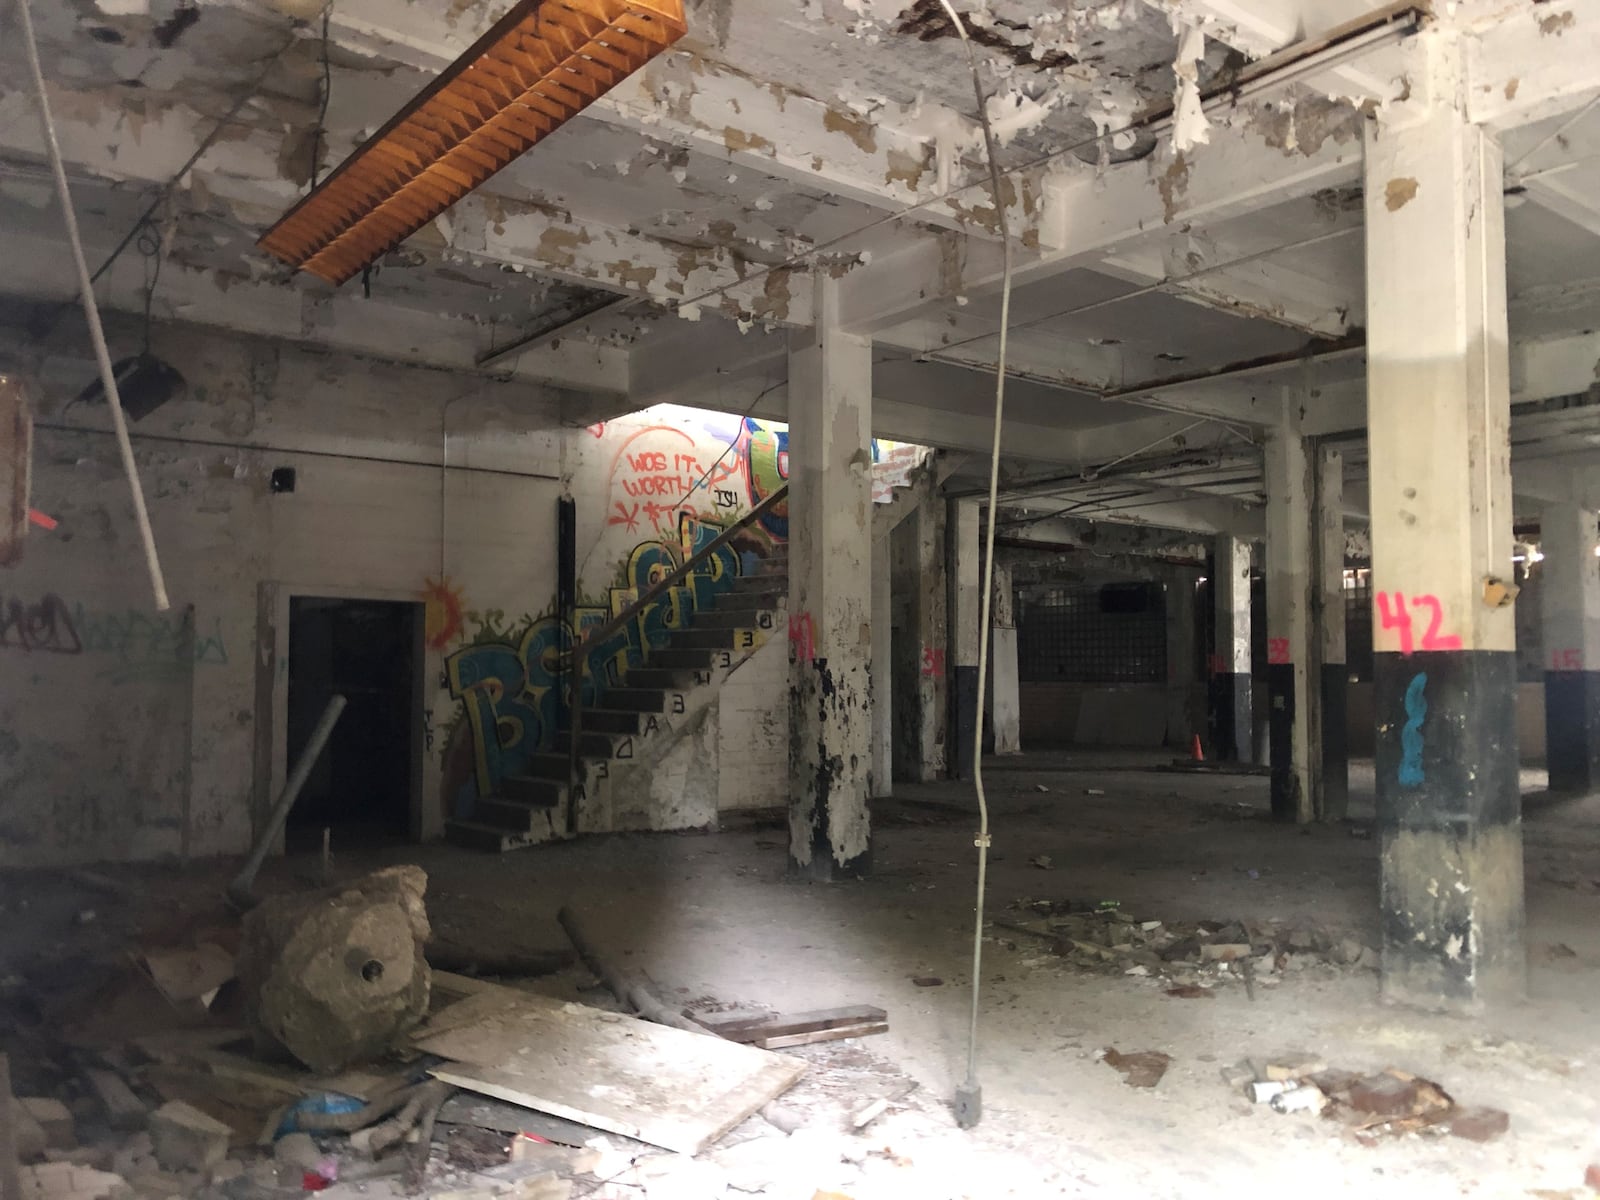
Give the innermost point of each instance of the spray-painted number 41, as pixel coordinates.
(1393, 613)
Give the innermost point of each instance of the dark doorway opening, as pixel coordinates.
(364, 785)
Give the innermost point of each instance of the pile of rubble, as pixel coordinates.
(1190, 958)
(1368, 1107)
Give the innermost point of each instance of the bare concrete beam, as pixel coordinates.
(39, 269)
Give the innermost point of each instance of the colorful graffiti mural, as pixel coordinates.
(676, 478)
(509, 680)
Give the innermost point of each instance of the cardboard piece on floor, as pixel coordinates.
(796, 1029)
(671, 1088)
(190, 975)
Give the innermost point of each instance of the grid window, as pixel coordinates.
(1092, 633)
(1358, 624)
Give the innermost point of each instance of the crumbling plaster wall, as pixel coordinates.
(124, 736)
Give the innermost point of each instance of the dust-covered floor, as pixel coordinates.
(716, 921)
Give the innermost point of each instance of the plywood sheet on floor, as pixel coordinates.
(669, 1087)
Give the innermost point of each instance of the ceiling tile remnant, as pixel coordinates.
(926, 20)
(540, 64)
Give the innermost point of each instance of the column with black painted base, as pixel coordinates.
(1332, 797)
(1292, 707)
(1232, 706)
(964, 571)
(830, 595)
(1569, 590)
(1444, 686)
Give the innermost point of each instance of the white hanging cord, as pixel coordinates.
(969, 1096)
(91, 312)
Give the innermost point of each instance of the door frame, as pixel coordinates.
(272, 675)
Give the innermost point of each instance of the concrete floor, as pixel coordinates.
(715, 917)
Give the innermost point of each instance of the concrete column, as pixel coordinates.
(964, 537)
(1004, 699)
(1181, 653)
(882, 671)
(918, 610)
(1292, 705)
(1332, 797)
(830, 595)
(1232, 705)
(1444, 665)
(1569, 587)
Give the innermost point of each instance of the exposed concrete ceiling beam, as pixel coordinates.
(97, 138)
(1090, 216)
(1210, 514)
(1261, 27)
(692, 101)
(1527, 62)
(39, 269)
(568, 246)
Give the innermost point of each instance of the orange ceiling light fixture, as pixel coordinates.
(541, 63)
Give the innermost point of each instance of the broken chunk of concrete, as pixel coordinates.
(68, 1181)
(26, 1133)
(1383, 1096)
(1478, 1123)
(336, 976)
(54, 1118)
(185, 1139)
(1295, 1065)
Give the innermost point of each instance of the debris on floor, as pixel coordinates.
(1370, 1107)
(1141, 1069)
(336, 976)
(777, 1030)
(1186, 958)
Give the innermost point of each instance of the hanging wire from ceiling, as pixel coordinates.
(320, 137)
(969, 1093)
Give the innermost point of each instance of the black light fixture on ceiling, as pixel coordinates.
(144, 382)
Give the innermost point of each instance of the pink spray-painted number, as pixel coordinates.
(1394, 613)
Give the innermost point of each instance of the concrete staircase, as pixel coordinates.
(638, 737)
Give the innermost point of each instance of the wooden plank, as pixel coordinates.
(124, 1110)
(837, 1033)
(674, 1089)
(755, 1029)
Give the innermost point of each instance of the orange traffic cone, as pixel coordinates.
(1195, 752)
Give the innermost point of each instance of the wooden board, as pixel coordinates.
(677, 1090)
(756, 1030)
(837, 1033)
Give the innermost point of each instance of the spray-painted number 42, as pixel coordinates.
(1394, 614)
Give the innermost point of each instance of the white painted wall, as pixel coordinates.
(146, 741)
(138, 744)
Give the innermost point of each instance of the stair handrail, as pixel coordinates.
(575, 660)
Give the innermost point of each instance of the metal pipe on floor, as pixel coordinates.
(239, 891)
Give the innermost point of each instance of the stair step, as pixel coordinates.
(642, 700)
(551, 766)
(516, 816)
(668, 679)
(677, 658)
(539, 793)
(593, 745)
(760, 582)
(616, 720)
(741, 637)
(475, 835)
(749, 599)
(736, 618)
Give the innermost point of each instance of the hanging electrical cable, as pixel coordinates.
(969, 1094)
(320, 137)
(91, 312)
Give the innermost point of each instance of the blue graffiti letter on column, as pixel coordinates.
(1411, 774)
